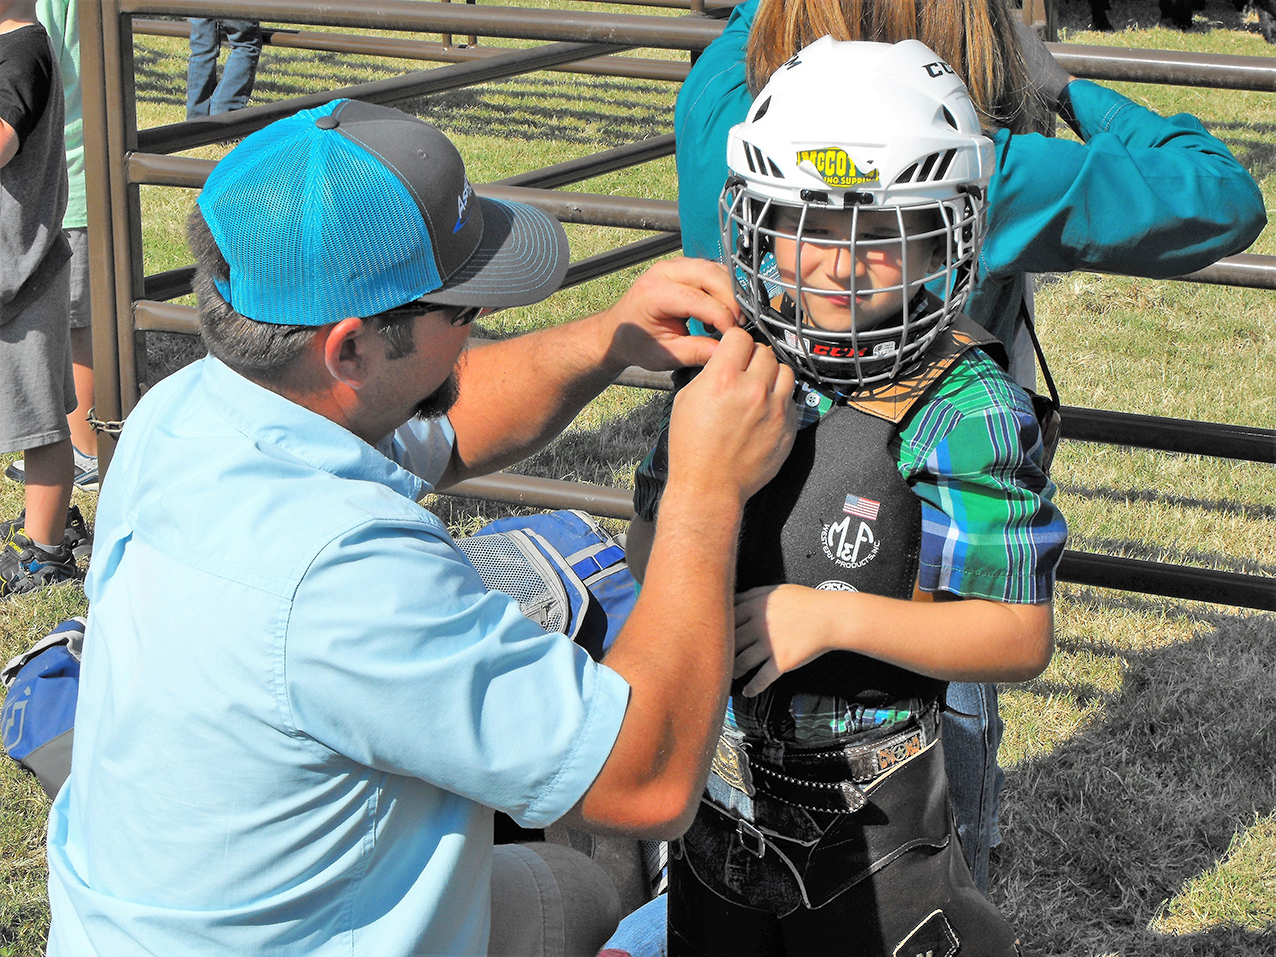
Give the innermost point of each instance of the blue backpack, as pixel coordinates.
(564, 570)
(38, 720)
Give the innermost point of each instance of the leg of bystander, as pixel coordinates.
(244, 37)
(201, 68)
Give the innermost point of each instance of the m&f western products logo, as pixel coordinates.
(836, 168)
(848, 542)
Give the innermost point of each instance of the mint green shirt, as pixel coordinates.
(61, 19)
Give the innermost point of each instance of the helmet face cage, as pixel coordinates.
(845, 361)
(868, 157)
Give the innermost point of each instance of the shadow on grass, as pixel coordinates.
(1113, 823)
(1127, 495)
(1171, 554)
(561, 107)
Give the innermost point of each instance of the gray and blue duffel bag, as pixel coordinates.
(38, 720)
(564, 570)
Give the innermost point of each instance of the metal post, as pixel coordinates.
(106, 370)
(126, 213)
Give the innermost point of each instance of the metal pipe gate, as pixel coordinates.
(119, 159)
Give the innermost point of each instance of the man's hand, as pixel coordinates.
(733, 425)
(648, 325)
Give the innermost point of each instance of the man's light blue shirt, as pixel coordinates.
(298, 703)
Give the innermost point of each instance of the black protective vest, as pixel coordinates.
(838, 516)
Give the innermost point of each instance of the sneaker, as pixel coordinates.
(78, 534)
(85, 466)
(26, 567)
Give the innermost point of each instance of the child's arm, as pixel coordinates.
(782, 627)
(991, 538)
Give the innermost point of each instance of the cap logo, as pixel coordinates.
(836, 168)
(463, 207)
(938, 68)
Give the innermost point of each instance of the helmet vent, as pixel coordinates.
(766, 105)
(933, 167)
(760, 163)
(947, 161)
(952, 120)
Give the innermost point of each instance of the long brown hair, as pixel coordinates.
(977, 37)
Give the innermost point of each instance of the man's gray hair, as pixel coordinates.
(263, 351)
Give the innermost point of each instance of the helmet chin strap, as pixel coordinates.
(786, 308)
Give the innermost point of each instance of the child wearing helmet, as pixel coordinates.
(908, 540)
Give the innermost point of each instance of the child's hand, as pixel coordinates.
(777, 627)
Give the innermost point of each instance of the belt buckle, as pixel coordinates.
(747, 832)
(731, 763)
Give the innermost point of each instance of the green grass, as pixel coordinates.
(1140, 810)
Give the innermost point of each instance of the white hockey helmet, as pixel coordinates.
(856, 126)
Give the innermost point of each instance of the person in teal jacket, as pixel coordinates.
(1143, 195)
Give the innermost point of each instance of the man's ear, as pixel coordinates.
(345, 351)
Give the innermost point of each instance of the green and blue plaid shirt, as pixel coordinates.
(971, 451)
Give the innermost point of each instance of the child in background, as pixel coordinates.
(60, 19)
(909, 540)
(37, 388)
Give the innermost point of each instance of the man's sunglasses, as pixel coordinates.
(461, 315)
(458, 315)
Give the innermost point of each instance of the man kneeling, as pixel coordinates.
(298, 704)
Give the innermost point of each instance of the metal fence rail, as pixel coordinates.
(120, 159)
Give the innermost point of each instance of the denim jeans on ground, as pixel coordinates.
(971, 738)
(642, 933)
(204, 94)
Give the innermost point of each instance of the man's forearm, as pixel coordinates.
(729, 432)
(8, 143)
(676, 652)
(518, 394)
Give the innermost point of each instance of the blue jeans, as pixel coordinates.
(642, 933)
(971, 738)
(204, 94)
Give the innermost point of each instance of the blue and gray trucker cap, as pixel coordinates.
(351, 209)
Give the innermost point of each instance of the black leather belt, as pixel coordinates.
(829, 780)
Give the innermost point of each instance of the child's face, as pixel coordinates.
(877, 263)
